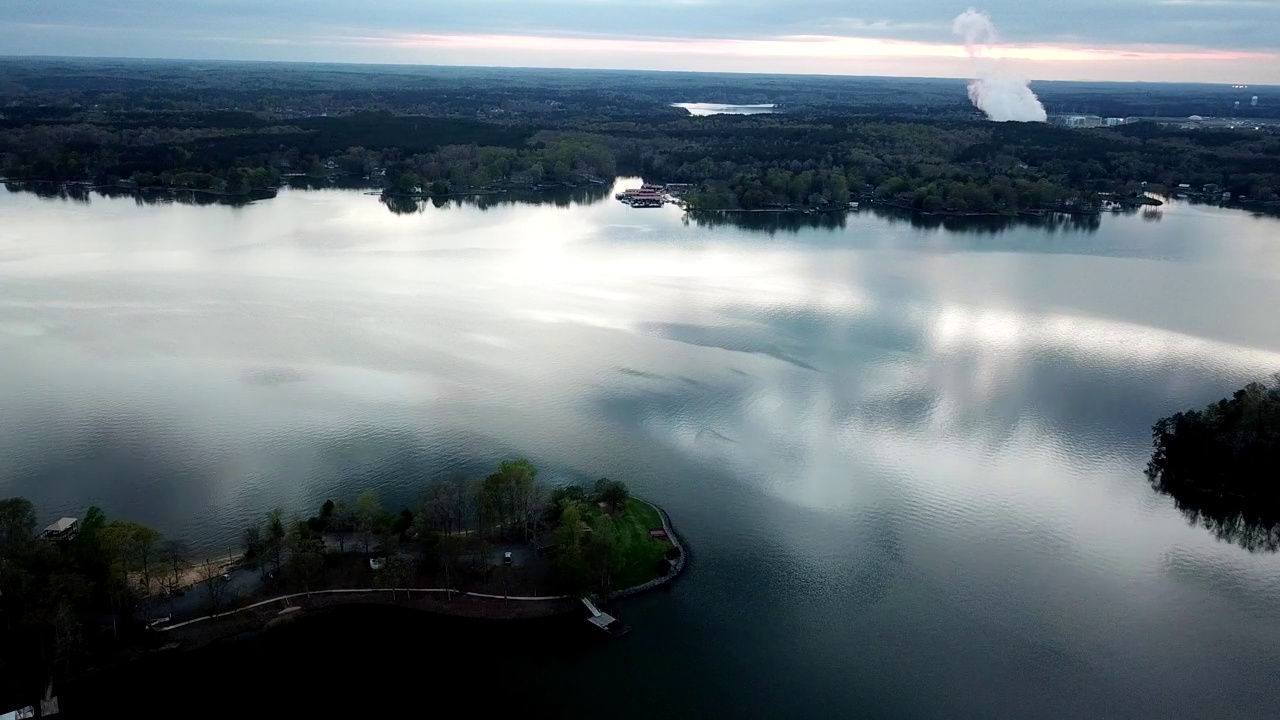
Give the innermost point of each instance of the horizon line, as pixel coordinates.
(585, 68)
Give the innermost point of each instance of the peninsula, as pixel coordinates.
(87, 590)
(1219, 465)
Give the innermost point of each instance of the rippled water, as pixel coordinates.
(908, 459)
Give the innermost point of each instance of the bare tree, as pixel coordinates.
(438, 507)
(276, 537)
(460, 498)
(173, 557)
(368, 517)
(341, 523)
(210, 575)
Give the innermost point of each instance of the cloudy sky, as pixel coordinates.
(1227, 41)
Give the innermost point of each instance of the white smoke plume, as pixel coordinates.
(1002, 97)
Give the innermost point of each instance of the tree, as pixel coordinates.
(341, 523)
(209, 574)
(451, 550)
(602, 555)
(305, 566)
(131, 546)
(395, 572)
(510, 494)
(569, 562)
(320, 523)
(368, 517)
(253, 545)
(173, 554)
(435, 514)
(558, 500)
(17, 524)
(274, 538)
(613, 493)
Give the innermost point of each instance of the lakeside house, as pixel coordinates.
(64, 529)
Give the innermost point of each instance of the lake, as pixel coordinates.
(907, 459)
(703, 109)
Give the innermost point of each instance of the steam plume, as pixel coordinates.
(1002, 97)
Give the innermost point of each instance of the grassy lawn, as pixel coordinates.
(639, 552)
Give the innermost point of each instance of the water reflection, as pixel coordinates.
(560, 197)
(84, 194)
(931, 440)
(795, 222)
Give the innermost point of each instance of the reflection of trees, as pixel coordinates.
(770, 222)
(562, 197)
(794, 222)
(1219, 466)
(402, 204)
(1234, 526)
(144, 196)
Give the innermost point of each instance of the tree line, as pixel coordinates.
(773, 161)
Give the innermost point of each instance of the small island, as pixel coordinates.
(1220, 465)
(87, 591)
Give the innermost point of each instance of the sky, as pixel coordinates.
(1221, 41)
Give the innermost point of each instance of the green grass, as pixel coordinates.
(638, 552)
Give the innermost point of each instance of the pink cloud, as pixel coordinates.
(801, 46)
(804, 54)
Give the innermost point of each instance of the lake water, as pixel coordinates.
(907, 459)
(701, 109)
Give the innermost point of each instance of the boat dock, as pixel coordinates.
(605, 621)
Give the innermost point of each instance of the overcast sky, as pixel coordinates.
(1226, 41)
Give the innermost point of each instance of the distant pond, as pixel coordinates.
(702, 109)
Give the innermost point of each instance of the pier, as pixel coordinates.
(605, 621)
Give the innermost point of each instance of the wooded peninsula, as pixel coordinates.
(1219, 465)
(88, 590)
(241, 130)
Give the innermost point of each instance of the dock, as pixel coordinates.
(605, 621)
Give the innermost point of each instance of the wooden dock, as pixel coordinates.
(605, 621)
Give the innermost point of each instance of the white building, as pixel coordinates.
(64, 529)
(1082, 121)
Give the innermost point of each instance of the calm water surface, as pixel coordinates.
(702, 109)
(908, 460)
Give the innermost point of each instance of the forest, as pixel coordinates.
(243, 129)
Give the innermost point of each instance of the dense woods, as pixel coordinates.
(1220, 464)
(69, 603)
